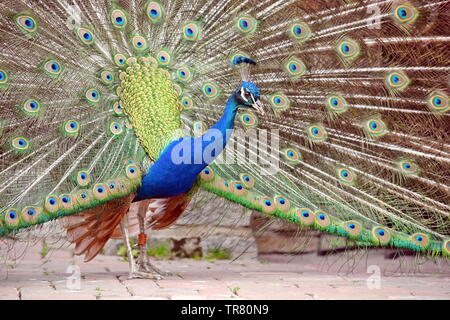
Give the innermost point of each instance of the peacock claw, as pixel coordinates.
(144, 275)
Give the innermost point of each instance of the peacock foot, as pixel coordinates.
(148, 267)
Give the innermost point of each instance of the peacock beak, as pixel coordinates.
(258, 106)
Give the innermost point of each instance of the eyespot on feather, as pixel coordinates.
(438, 101)
(248, 119)
(247, 180)
(282, 203)
(291, 155)
(299, 32)
(26, 23)
(85, 35)
(12, 217)
(316, 133)
(31, 107)
(20, 144)
(322, 219)
(336, 104)
(207, 174)
(305, 216)
(155, 11)
(191, 31)
(354, 228)
(381, 235)
(405, 13)
(52, 67)
(120, 59)
(246, 24)
(31, 214)
(210, 90)
(294, 67)
(139, 43)
(267, 205)
(119, 18)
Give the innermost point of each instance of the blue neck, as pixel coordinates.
(168, 177)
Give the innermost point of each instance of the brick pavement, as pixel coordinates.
(272, 277)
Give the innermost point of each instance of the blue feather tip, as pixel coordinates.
(240, 59)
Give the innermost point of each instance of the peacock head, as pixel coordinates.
(247, 96)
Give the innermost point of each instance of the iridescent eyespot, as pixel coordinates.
(299, 31)
(117, 108)
(282, 203)
(291, 155)
(139, 43)
(198, 128)
(100, 191)
(267, 205)
(83, 178)
(336, 104)
(248, 119)
(348, 49)
(120, 59)
(26, 23)
(92, 95)
(84, 197)
(3, 77)
(238, 188)
(187, 102)
(438, 101)
(155, 12)
(381, 235)
(132, 171)
(184, 74)
(107, 77)
(191, 31)
(51, 204)
(279, 101)
(322, 219)
(246, 24)
(31, 107)
(118, 18)
(405, 13)
(71, 127)
(163, 58)
(374, 127)
(115, 128)
(408, 167)
(420, 239)
(346, 176)
(210, 90)
(305, 216)
(84, 35)
(353, 228)
(397, 80)
(247, 180)
(20, 144)
(67, 202)
(52, 68)
(207, 174)
(31, 214)
(294, 67)
(12, 217)
(316, 133)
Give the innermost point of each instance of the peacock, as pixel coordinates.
(329, 114)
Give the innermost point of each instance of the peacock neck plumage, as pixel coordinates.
(180, 163)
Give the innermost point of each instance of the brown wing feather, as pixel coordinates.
(91, 229)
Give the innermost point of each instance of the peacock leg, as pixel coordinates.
(143, 262)
(135, 273)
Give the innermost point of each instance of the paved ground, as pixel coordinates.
(274, 277)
